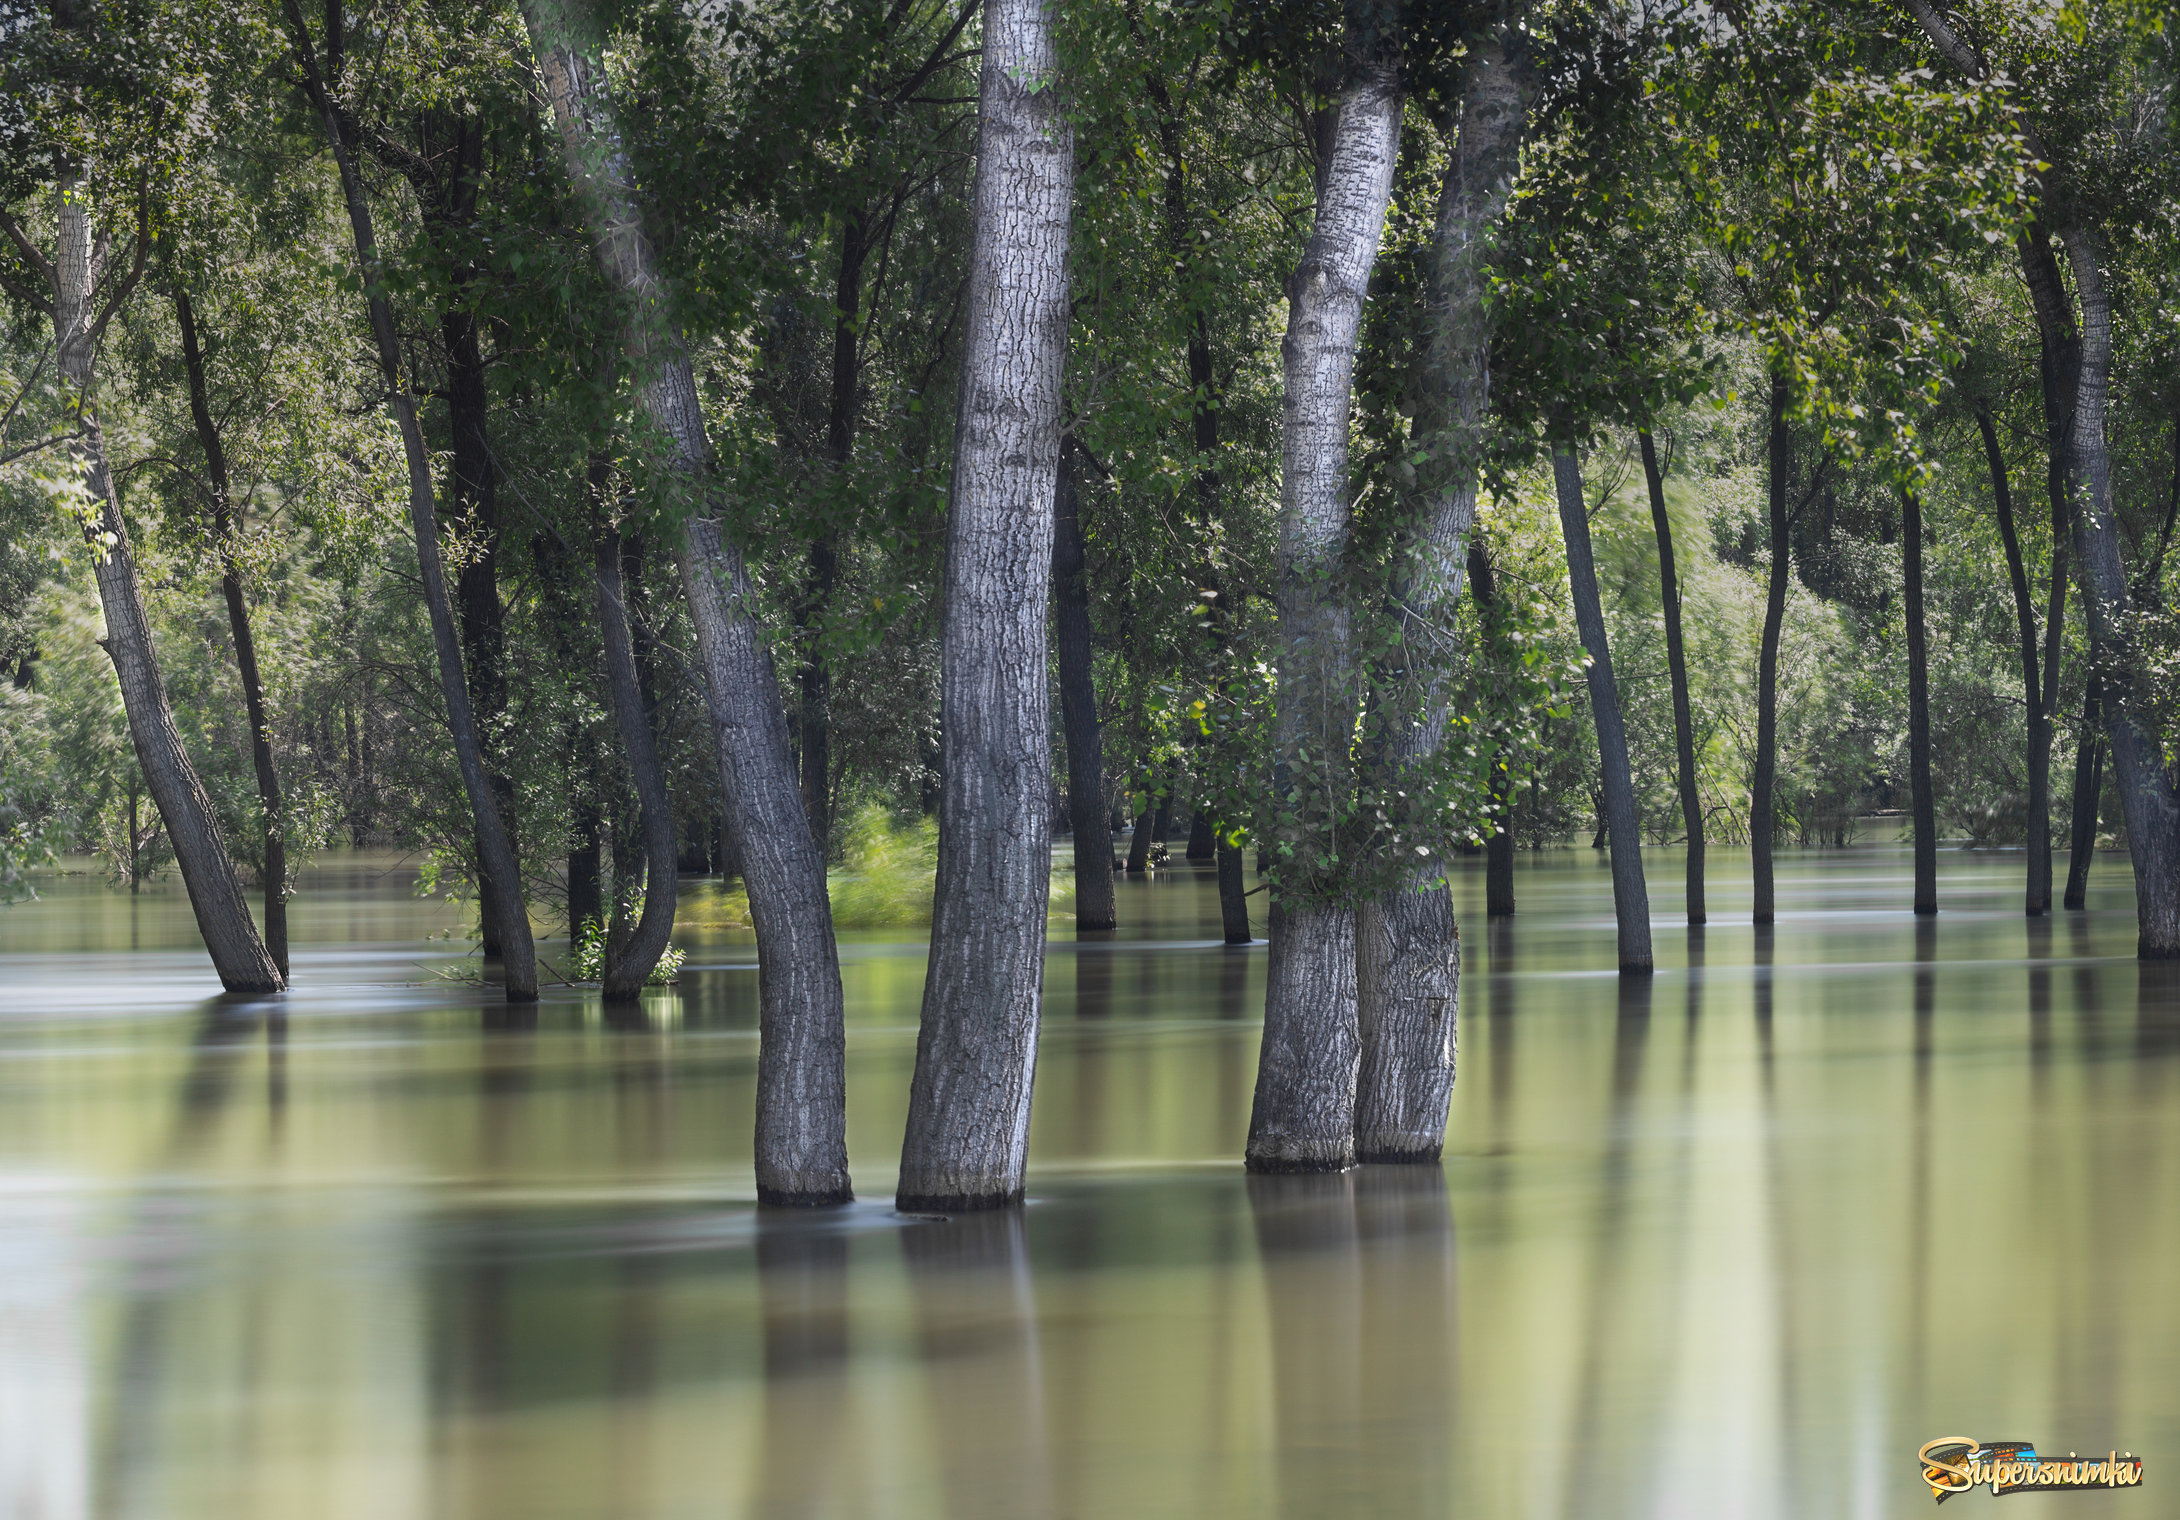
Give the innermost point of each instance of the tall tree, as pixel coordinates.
(2038, 896)
(1088, 814)
(1676, 659)
(1918, 649)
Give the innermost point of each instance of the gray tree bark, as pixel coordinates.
(1408, 946)
(2038, 895)
(967, 1145)
(1763, 816)
(1630, 897)
(1095, 905)
(801, 1146)
(500, 883)
(1918, 643)
(1676, 659)
(628, 970)
(1303, 1116)
(77, 270)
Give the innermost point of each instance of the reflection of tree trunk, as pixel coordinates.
(1918, 644)
(1095, 906)
(1676, 656)
(2039, 717)
(1307, 1238)
(2088, 788)
(802, 1290)
(1763, 813)
(1409, 1335)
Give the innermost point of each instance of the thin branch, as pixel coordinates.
(937, 57)
(39, 264)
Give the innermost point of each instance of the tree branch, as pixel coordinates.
(39, 264)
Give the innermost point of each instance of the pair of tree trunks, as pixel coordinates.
(271, 811)
(1676, 658)
(2034, 687)
(1623, 826)
(1921, 800)
(967, 1141)
(801, 1142)
(499, 880)
(1303, 1115)
(75, 275)
(631, 960)
(1096, 908)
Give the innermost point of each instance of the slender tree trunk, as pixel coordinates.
(215, 893)
(1623, 826)
(2088, 790)
(801, 1146)
(2024, 607)
(1762, 809)
(1139, 832)
(967, 1144)
(1233, 893)
(496, 855)
(2145, 789)
(1918, 643)
(1499, 848)
(1203, 836)
(1095, 908)
(626, 973)
(1676, 658)
(1408, 945)
(1303, 1118)
(270, 810)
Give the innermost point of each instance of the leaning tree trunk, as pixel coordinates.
(801, 1146)
(967, 1145)
(1408, 946)
(2024, 609)
(1762, 807)
(1623, 827)
(496, 856)
(1918, 644)
(1676, 659)
(1095, 906)
(1303, 1117)
(627, 971)
(2145, 790)
(1499, 848)
(2088, 790)
(215, 894)
(272, 812)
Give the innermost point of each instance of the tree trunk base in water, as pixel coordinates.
(956, 1203)
(823, 1198)
(1303, 1115)
(1427, 1157)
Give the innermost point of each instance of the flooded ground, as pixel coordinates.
(1734, 1242)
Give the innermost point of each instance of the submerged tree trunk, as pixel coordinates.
(1676, 658)
(1762, 807)
(1095, 908)
(801, 1145)
(1918, 644)
(496, 856)
(638, 955)
(2038, 900)
(1303, 1116)
(271, 812)
(1408, 946)
(2146, 796)
(1499, 848)
(1623, 827)
(200, 854)
(1233, 893)
(2088, 790)
(967, 1144)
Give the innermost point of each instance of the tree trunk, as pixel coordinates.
(2024, 607)
(271, 813)
(2146, 796)
(1303, 1118)
(1926, 820)
(1095, 908)
(1408, 947)
(496, 856)
(1630, 897)
(801, 1145)
(1499, 848)
(1233, 893)
(1203, 836)
(1676, 658)
(967, 1145)
(215, 893)
(1762, 811)
(626, 972)
(1139, 840)
(2088, 790)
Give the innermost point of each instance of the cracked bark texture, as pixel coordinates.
(627, 970)
(801, 1144)
(1095, 905)
(1302, 1118)
(1623, 825)
(200, 853)
(967, 1141)
(1408, 944)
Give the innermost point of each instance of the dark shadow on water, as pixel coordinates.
(802, 1290)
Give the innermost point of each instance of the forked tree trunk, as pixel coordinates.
(271, 813)
(496, 855)
(967, 1145)
(1762, 808)
(1623, 827)
(1303, 1116)
(2088, 790)
(2038, 898)
(1918, 644)
(200, 854)
(627, 971)
(2145, 790)
(1676, 659)
(1408, 945)
(801, 1145)
(1095, 906)
(1499, 848)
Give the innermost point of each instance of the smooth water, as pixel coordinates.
(1733, 1242)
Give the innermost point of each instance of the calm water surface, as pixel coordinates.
(1732, 1243)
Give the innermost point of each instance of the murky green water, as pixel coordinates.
(1732, 1244)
